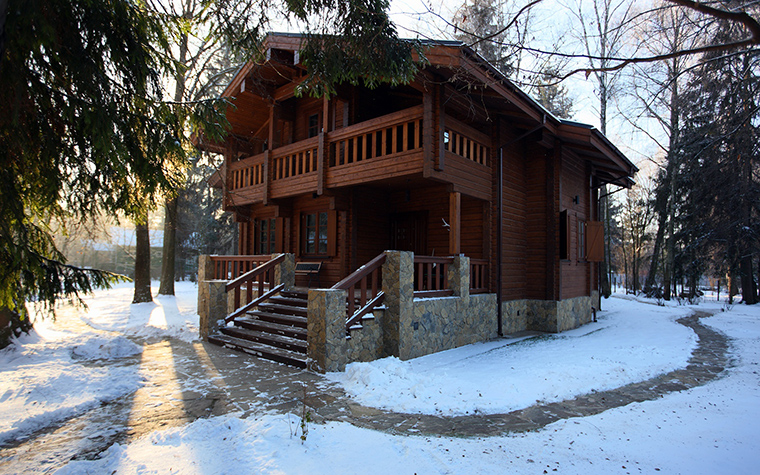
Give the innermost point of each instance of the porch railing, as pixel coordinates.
(261, 278)
(230, 267)
(431, 276)
(368, 295)
(478, 276)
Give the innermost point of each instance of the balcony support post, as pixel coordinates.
(455, 225)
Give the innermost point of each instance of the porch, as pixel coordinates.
(398, 304)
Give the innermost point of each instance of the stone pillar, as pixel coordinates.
(326, 330)
(205, 268)
(212, 306)
(285, 271)
(459, 277)
(398, 286)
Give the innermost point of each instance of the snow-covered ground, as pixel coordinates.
(64, 368)
(55, 373)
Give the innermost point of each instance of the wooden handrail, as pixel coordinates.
(263, 276)
(367, 300)
(373, 125)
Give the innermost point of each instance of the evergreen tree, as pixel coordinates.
(720, 148)
(84, 124)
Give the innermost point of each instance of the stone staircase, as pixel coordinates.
(276, 330)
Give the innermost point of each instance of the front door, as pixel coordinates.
(409, 232)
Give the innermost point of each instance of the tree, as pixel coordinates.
(85, 125)
(657, 87)
(719, 142)
(601, 43)
(552, 94)
(204, 62)
(478, 19)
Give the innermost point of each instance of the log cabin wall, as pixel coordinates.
(575, 270)
(537, 163)
(372, 229)
(514, 217)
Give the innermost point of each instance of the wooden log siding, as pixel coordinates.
(384, 136)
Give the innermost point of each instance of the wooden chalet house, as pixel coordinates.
(457, 164)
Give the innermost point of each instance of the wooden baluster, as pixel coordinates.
(430, 276)
(350, 299)
(363, 296)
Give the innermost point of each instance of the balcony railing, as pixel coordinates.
(387, 135)
(295, 159)
(372, 150)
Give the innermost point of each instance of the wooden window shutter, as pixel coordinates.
(594, 241)
(332, 232)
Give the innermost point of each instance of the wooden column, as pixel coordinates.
(455, 223)
(322, 151)
(432, 130)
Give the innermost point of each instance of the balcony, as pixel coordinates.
(386, 147)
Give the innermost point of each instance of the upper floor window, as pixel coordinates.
(313, 125)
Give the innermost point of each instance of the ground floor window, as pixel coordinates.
(315, 233)
(266, 230)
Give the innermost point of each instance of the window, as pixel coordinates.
(266, 236)
(315, 226)
(581, 240)
(313, 125)
(564, 235)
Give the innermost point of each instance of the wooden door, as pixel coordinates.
(409, 232)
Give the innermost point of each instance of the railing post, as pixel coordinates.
(205, 268)
(398, 286)
(212, 306)
(285, 271)
(459, 277)
(326, 330)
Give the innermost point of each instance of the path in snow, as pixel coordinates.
(187, 381)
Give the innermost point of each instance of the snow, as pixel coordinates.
(624, 346)
(57, 371)
(708, 429)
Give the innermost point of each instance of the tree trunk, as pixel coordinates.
(170, 219)
(169, 249)
(142, 264)
(749, 294)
